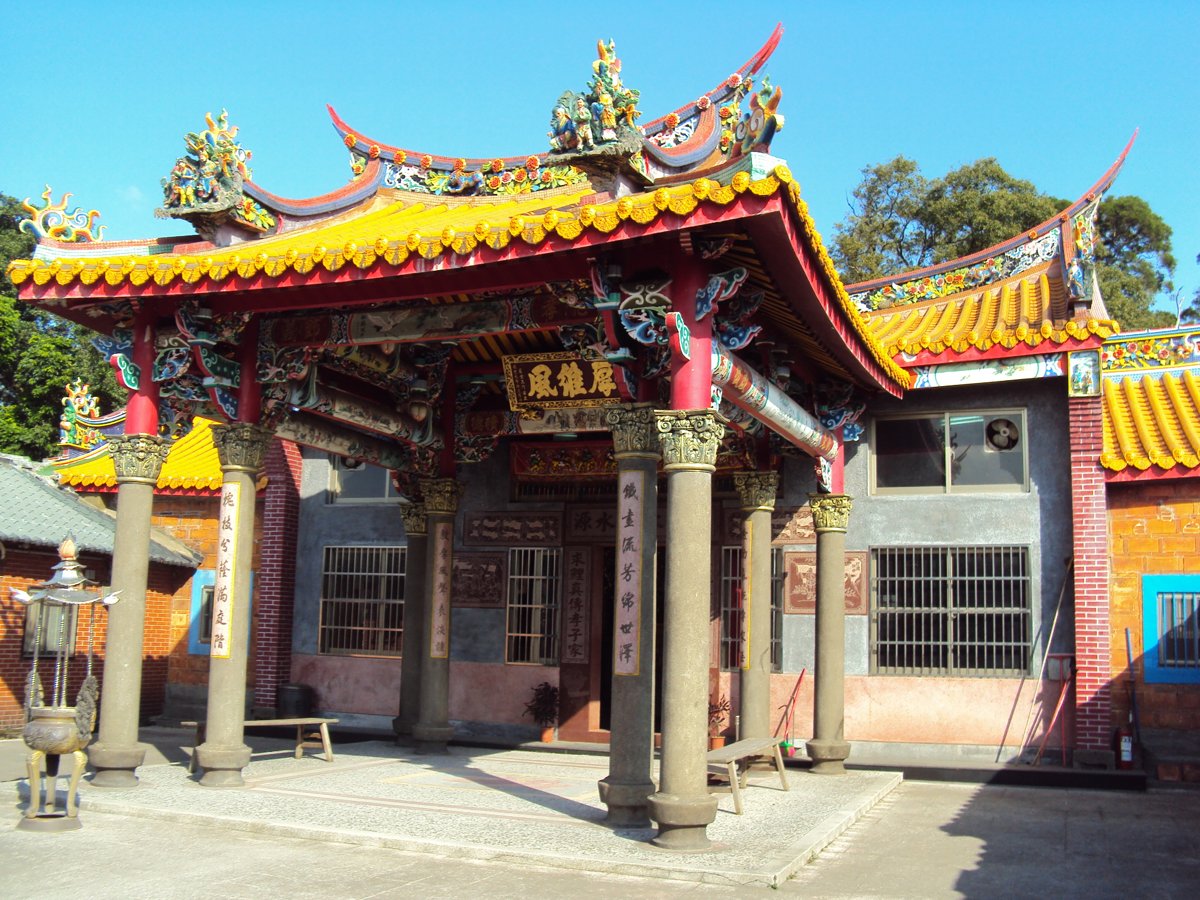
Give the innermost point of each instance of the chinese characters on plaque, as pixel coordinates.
(628, 608)
(439, 630)
(227, 563)
(575, 625)
(558, 381)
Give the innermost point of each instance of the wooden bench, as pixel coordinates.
(724, 762)
(304, 738)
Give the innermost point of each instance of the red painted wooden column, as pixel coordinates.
(1093, 687)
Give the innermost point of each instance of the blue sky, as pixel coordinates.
(95, 97)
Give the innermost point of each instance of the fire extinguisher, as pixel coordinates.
(1123, 742)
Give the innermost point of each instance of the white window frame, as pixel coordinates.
(948, 486)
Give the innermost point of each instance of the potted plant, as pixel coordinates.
(543, 709)
(718, 713)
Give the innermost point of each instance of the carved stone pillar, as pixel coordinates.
(432, 730)
(757, 493)
(828, 749)
(414, 619)
(241, 447)
(138, 459)
(682, 807)
(627, 789)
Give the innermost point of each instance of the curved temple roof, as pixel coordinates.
(1009, 299)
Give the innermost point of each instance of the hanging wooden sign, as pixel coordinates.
(541, 381)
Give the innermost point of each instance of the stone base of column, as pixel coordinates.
(431, 738)
(222, 765)
(828, 756)
(682, 822)
(115, 766)
(628, 803)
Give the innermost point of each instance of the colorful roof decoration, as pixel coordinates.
(192, 466)
(1024, 314)
(1069, 235)
(54, 222)
(1151, 383)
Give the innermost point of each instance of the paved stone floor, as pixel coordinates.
(171, 837)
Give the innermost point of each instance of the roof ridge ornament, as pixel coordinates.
(205, 186)
(596, 130)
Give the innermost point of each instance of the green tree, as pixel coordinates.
(39, 354)
(899, 221)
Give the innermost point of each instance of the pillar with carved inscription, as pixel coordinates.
(627, 788)
(414, 620)
(828, 749)
(682, 807)
(240, 448)
(138, 459)
(432, 731)
(757, 493)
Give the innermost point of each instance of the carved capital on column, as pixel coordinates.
(690, 438)
(830, 512)
(138, 457)
(414, 519)
(756, 489)
(241, 446)
(634, 431)
(440, 496)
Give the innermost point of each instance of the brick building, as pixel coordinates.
(38, 516)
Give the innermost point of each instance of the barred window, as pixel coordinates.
(534, 585)
(950, 610)
(1171, 628)
(733, 609)
(362, 601)
(949, 452)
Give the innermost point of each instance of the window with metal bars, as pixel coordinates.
(951, 610)
(1171, 628)
(733, 610)
(534, 586)
(362, 601)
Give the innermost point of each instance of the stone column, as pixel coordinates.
(627, 788)
(138, 459)
(414, 620)
(240, 447)
(683, 807)
(433, 730)
(757, 493)
(828, 749)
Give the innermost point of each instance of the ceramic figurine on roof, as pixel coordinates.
(205, 186)
(596, 130)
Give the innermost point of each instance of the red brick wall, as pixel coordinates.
(1154, 529)
(1093, 700)
(276, 571)
(192, 519)
(24, 567)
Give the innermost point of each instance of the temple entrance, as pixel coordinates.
(608, 568)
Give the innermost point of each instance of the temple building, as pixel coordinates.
(605, 416)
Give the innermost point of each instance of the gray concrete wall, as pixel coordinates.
(1040, 518)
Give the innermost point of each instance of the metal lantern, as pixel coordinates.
(54, 728)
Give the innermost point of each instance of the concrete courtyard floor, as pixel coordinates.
(382, 823)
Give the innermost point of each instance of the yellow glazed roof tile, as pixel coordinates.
(1152, 420)
(1028, 309)
(396, 231)
(191, 465)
